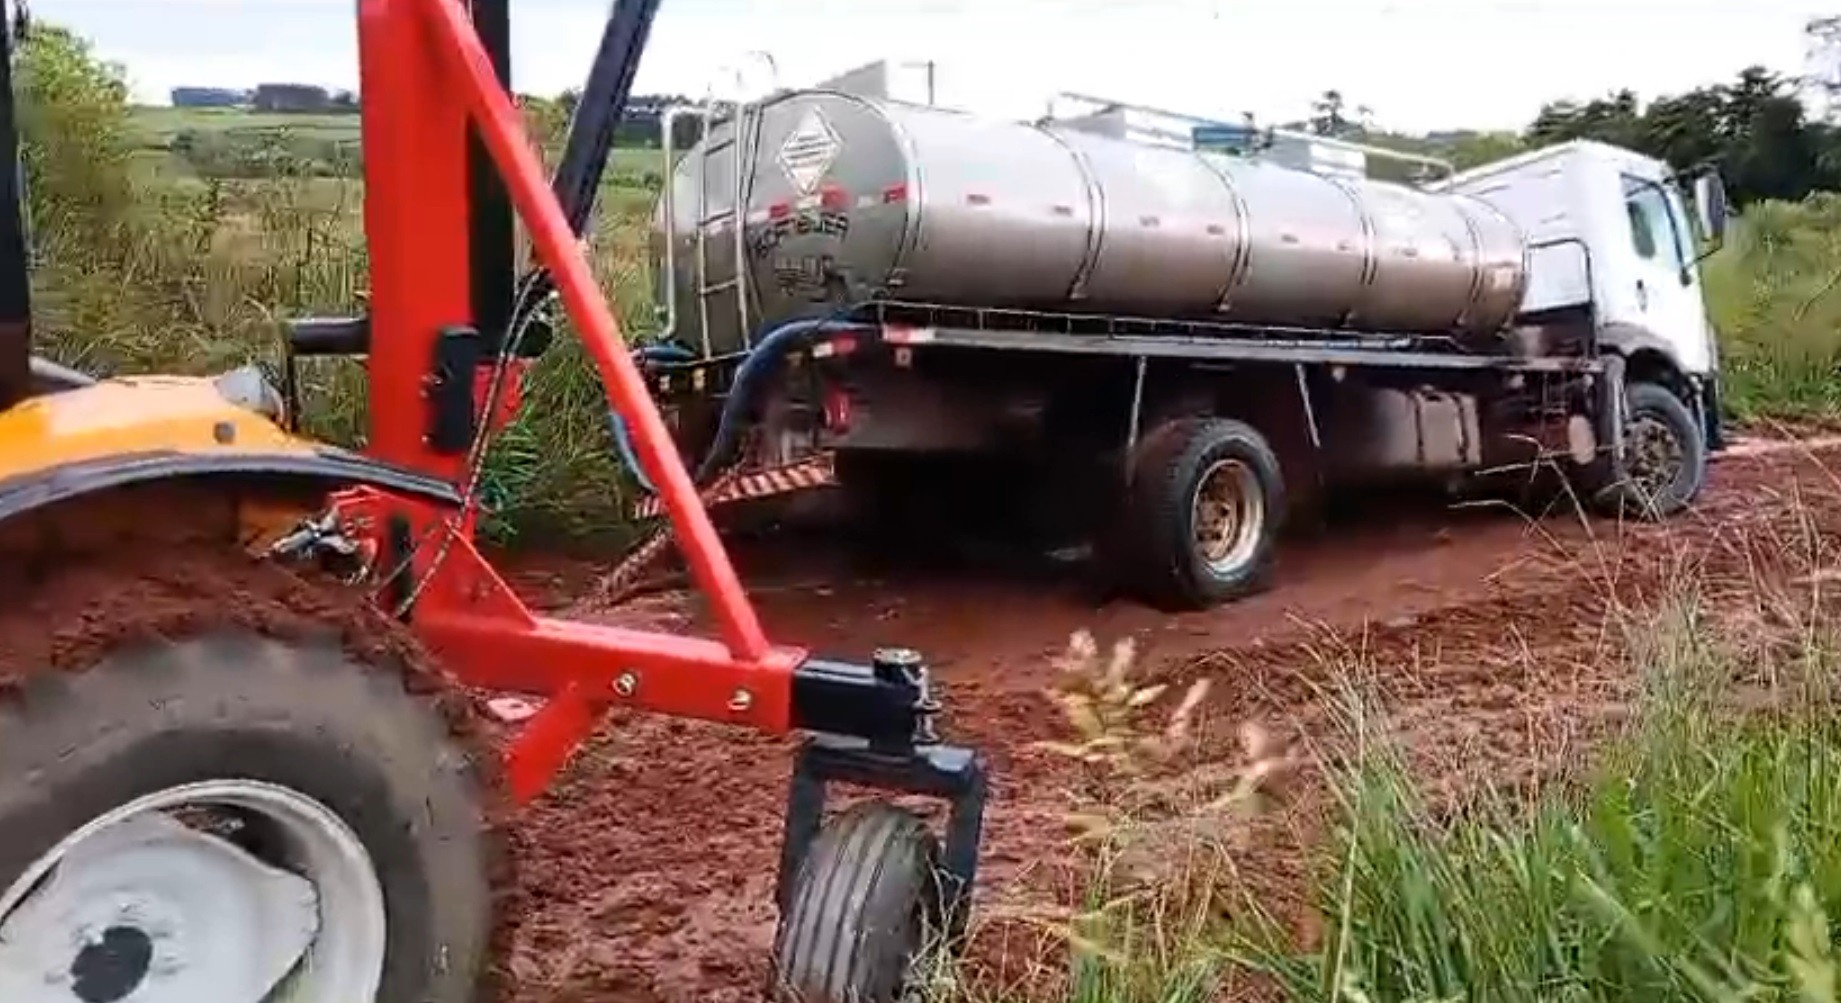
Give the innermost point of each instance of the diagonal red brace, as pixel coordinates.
(501, 126)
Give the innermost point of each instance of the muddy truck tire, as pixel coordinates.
(1201, 516)
(201, 810)
(1665, 458)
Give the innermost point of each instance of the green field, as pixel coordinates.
(160, 124)
(243, 143)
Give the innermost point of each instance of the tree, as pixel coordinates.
(75, 139)
(1754, 129)
(1615, 119)
(1327, 118)
(1473, 149)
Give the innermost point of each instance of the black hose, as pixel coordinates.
(759, 363)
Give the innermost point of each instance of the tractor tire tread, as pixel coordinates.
(214, 692)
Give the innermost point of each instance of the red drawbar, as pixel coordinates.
(425, 74)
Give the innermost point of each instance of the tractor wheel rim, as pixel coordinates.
(1655, 456)
(154, 902)
(1229, 514)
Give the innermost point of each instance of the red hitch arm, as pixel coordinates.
(426, 75)
(501, 126)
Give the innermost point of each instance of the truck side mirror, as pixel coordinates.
(1710, 205)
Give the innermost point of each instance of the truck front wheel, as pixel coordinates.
(1202, 513)
(1665, 457)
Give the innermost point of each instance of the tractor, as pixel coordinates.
(242, 755)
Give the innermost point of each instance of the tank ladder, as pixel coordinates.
(742, 143)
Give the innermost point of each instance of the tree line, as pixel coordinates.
(1755, 129)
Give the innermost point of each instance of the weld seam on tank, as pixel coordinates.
(1477, 268)
(1240, 261)
(1515, 295)
(1371, 266)
(1096, 214)
(914, 205)
(1524, 274)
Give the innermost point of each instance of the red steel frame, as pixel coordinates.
(425, 74)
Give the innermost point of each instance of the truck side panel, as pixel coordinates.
(1545, 199)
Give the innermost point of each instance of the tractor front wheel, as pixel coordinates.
(230, 817)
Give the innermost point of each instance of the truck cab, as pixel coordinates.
(1611, 241)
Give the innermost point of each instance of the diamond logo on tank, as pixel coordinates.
(809, 151)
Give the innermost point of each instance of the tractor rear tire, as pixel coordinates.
(864, 916)
(229, 711)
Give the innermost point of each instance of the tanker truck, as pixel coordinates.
(1162, 349)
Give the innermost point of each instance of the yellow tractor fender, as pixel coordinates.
(94, 438)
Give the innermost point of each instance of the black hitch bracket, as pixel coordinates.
(952, 774)
(873, 726)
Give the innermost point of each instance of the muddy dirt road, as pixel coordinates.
(646, 875)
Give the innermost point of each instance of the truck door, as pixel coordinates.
(1663, 288)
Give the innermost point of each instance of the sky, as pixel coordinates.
(1419, 64)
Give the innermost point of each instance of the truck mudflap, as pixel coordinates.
(1708, 404)
(817, 472)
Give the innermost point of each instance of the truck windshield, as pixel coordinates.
(1655, 222)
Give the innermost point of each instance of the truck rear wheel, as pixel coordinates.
(230, 817)
(1202, 513)
(1665, 465)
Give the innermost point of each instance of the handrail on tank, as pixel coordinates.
(668, 176)
(1369, 149)
(1366, 149)
(739, 116)
(1105, 103)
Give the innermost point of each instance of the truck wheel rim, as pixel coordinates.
(1655, 457)
(235, 891)
(1228, 515)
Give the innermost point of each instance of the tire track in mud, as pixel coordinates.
(1496, 642)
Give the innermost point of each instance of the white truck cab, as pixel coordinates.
(1610, 234)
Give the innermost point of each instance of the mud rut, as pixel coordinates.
(646, 874)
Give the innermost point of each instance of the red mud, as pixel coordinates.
(646, 874)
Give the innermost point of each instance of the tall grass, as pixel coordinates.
(1697, 859)
(1775, 296)
(1695, 856)
(141, 265)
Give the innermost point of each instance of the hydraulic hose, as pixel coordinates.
(760, 361)
(623, 440)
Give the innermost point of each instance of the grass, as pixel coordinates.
(1696, 855)
(156, 126)
(1697, 860)
(1689, 850)
(1775, 297)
